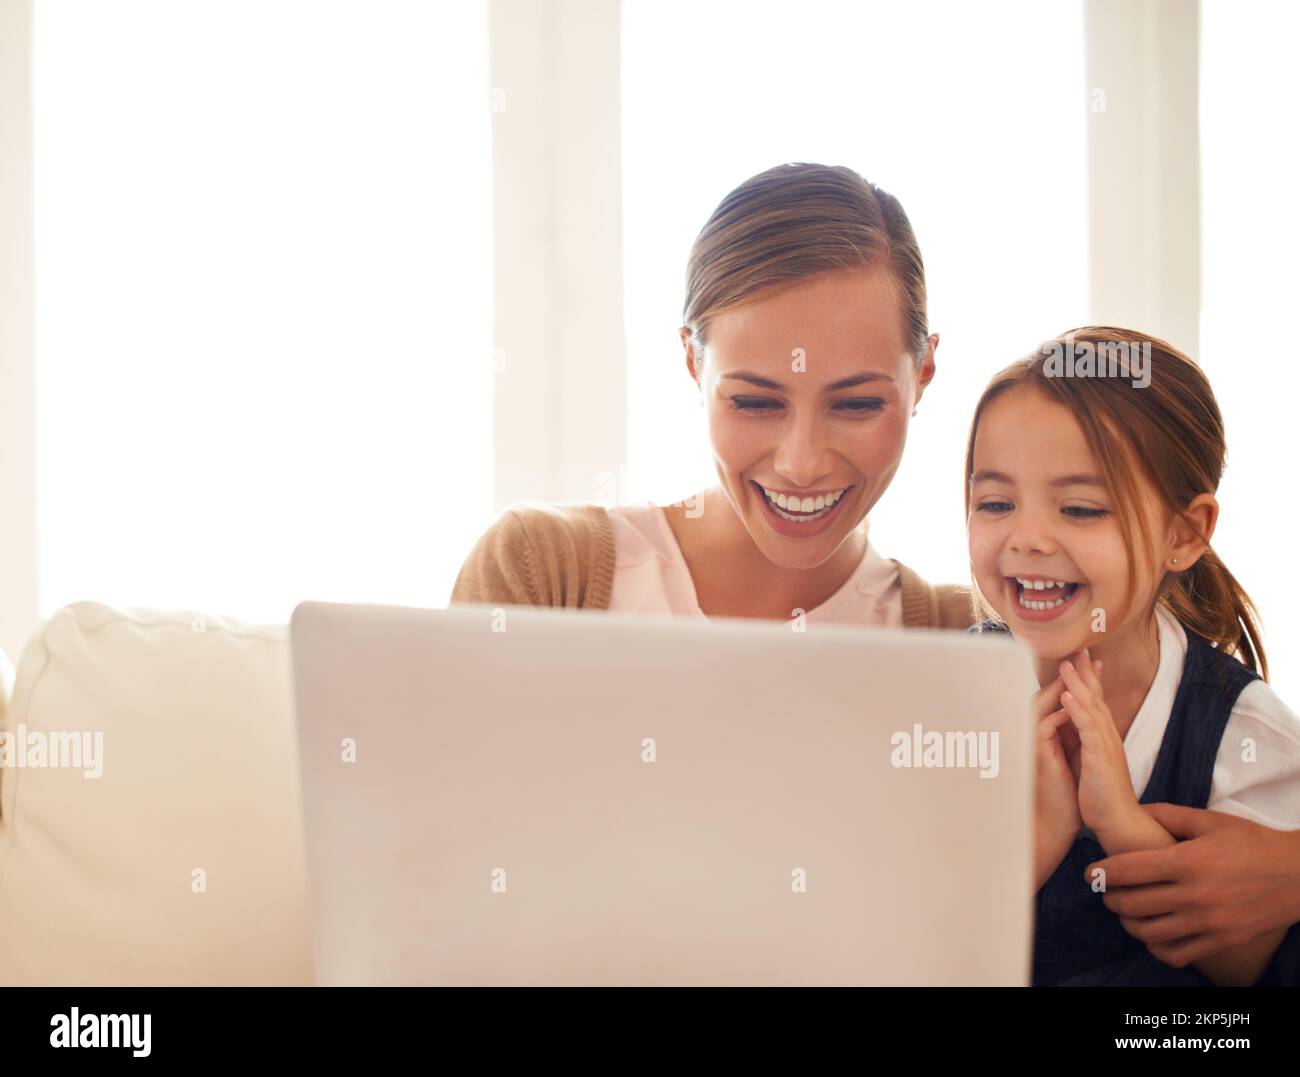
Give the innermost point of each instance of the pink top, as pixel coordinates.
(651, 576)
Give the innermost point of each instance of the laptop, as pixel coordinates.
(519, 796)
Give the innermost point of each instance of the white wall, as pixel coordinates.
(17, 402)
(263, 301)
(1144, 199)
(560, 399)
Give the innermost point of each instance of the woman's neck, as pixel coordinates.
(1129, 663)
(732, 576)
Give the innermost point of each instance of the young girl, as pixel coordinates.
(1091, 471)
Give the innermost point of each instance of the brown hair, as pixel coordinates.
(793, 222)
(1171, 428)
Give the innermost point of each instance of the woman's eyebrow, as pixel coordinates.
(843, 383)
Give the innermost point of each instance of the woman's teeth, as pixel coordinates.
(808, 508)
(1055, 593)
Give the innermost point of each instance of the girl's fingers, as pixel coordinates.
(1069, 734)
(1050, 750)
(1092, 721)
(1058, 719)
(1045, 699)
(1086, 721)
(1077, 710)
(1048, 726)
(1074, 684)
(1087, 670)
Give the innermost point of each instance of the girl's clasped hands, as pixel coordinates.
(1082, 772)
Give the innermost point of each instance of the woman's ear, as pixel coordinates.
(1191, 533)
(925, 371)
(688, 344)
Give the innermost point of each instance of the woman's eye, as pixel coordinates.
(754, 403)
(995, 506)
(1080, 512)
(763, 403)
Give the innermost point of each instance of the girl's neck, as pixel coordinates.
(1129, 662)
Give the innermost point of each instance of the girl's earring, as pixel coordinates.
(1175, 560)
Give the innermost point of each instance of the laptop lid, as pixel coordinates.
(512, 795)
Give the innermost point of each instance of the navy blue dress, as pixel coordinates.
(1077, 940)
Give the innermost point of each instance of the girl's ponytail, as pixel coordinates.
(1208, 600)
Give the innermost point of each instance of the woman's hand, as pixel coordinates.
(1107, 802)
(1227, 881)
(1056, 795)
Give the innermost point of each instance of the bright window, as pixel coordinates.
(263, 324)
(1250, 233)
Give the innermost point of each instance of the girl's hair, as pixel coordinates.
(1172, 430)
(793, 222)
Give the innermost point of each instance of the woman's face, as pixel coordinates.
(809, 392)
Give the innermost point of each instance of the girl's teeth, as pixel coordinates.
(1041, 585)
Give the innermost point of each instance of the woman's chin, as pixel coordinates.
(800, 554)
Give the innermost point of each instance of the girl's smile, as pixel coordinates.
(1042, 598)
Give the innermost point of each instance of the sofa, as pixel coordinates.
(166, 846)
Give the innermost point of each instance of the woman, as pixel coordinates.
(806, 333)
(807, 337)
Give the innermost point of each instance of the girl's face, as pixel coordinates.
(809, 392)
(1041, 513)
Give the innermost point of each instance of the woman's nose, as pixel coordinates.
(803, 455)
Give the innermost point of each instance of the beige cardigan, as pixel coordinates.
(537, 554)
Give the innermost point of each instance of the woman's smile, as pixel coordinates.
(801, 522)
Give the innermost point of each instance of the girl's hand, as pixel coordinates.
(1056, 795)
(1107, 802)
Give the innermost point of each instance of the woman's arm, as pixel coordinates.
(501, 568)
(1109, 806)
(1226, 880)
(538, 554)
(1239, 965)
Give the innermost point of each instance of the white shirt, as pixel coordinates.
(1266, 790)
(651, 576)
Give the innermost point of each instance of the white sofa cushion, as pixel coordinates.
(98, 880)
(6, 684)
